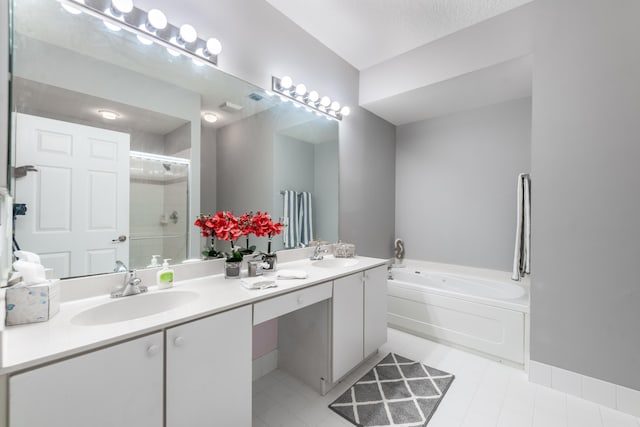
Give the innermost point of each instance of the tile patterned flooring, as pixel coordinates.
(484, 394)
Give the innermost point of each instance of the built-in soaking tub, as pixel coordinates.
(484, 311)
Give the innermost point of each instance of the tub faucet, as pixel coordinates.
(317, 253)
(132, 286)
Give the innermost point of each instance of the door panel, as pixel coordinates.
(347, 320)
(78, 200)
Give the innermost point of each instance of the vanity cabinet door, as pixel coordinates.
(117, 386)
(347, 322)
(209, 371)
(375, 309)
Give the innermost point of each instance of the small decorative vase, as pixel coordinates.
(272, 260)
(232, 269)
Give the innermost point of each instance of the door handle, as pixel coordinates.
(120, 239)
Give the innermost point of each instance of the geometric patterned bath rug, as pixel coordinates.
(397, 391)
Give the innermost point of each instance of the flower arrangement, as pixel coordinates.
(225, 226)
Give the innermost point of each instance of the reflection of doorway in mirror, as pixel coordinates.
(77, 216)
(158, 208)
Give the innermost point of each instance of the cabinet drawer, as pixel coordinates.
(276, 307)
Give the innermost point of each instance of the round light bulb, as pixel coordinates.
(301, 89)
(72, 10)
(286, 82)
(122, 6)
(345, 111)
(313, 96)
(214, 47)
(210, 117)
(156, 19)
(188, 34)
(325, 101)
(335, 106)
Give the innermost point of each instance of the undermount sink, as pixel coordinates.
(335, 262)
(133, 307)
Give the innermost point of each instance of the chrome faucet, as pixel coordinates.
(120, 267)
(132, 286)
(317, 253)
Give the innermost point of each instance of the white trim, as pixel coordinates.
(604, 393)
(265, 364)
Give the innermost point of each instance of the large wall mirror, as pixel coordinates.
(111, 157)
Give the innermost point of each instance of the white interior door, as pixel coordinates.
(78, 200)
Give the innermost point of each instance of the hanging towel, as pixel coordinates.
(305, 222)
(522, 251)
(291, 232)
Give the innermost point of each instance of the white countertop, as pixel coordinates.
(26, 346)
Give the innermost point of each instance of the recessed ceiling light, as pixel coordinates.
(108, 114)
(209, 117)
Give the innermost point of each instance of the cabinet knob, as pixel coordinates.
(178, 341)
(300, 299)
(153, 349)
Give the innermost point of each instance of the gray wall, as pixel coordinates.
(327, 182)
(208, 162)
(260, 42)
(585, 302)
(456, 184)
(178, 140)
(245, 165)
(367, 183)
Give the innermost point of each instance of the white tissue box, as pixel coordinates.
(30, 304)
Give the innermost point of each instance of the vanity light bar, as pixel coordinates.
(150, 28)
(310, 99)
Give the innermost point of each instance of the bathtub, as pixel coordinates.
(479, 310)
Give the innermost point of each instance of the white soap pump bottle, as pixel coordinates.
(154, 261)
(164, 277)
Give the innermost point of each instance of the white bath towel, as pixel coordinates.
(522, 250)
(292, 274)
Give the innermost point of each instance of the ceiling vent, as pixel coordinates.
(255, 96)
(230, 107)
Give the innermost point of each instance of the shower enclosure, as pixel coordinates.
(158, 208)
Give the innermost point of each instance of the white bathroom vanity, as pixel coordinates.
(188, 359)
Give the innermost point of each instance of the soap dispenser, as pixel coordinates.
(154, 261)
(164, 277)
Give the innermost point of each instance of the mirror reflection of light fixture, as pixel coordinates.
(150, 27)
(108, 114)
(311, 100)
(72, 10)
(209, 117)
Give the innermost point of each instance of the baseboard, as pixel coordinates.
(604, 393)
(265, 364)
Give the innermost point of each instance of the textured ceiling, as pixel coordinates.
(367, 32)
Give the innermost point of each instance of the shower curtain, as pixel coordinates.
(298, 212)
(290, 212)
(305, 221)
(522, 251)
